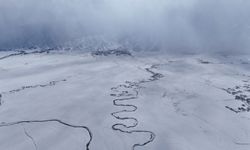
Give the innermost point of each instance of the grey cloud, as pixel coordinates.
(169, 25)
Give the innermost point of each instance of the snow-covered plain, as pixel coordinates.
(67, 101)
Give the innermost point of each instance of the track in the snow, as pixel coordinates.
(52, 120)
(127, 95)
(51, 83)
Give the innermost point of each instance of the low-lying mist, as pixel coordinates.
(167, 25)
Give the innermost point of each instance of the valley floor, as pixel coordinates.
(76, 101)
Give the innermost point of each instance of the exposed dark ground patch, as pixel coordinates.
(204, 61)
(114, 52)
(241, 93)
(51, 83)
(22, 53)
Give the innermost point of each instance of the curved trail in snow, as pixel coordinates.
(127, 95)
(52, 120)
(51, 83)
(30, 137)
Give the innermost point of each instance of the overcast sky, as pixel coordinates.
(171, 25)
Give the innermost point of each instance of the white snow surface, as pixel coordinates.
(185, 109)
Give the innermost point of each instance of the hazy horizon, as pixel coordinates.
(183, 25)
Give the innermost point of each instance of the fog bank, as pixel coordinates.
(169, 25)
